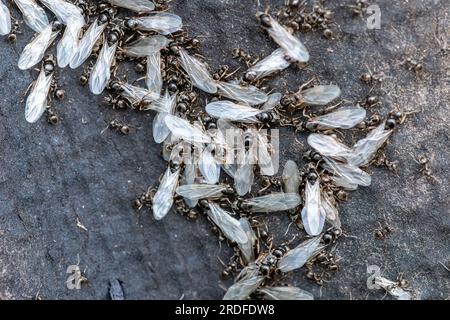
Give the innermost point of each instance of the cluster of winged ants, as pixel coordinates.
(155, 41)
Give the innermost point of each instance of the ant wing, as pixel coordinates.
(248, 248)
(313, 217)
(230, 226)
(197, 72)
(277, 201)
(285, 293)
(230, 111)
(243, 288)
(244, 176)
(272, 101)
(201, 191)
(209, 167)
(33, 15)
(321, 95)
(343, 118)
(87, 43)
(140, 6)
(186, 131)
(68, 45)
(266, 164)
(292, 45)
(37, 99)
(274, 62)
(35, 50)
(348, 174)
(392, 288)
(329, 209)
(153, 77)
(189, 177)
(66, 12)
(298, 256)
(249, 95)
(291, 177)
(161, 22)
(101, 73)
(163, 199)
(365, 149)
(5, 19)
(328, 146)
(145, 45)
(160, 130)
(136, 95)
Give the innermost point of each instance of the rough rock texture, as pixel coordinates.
(50, 176)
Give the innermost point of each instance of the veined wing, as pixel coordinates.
(66, 12)
(292, 45)
(266, 164)
(209, 167)
(37, 99)
(68, 45)
(328, 146)
(243, 288)
(249, 95)
(313, 217)
(161, 22)
(230, 111)
(365, 149)
(347, 173)
(33, 15)
(230, 226)
(291, 177)
(146, 45)
(331, 213)
(141, 6)
(285, 293)
(5, 19)
(163, 199)
(298, 256)
(197, 72)
(343, 118)
(136, 95)
(153, 78)
(248, 248)
(274, 62)
(244, 176)
(272, 101)
(101, 73)
(201, 191)
(87, 43)
(35, 50)
(160, 130)
(277, 201)
(392, 288)
(186, 131)
(321, 95)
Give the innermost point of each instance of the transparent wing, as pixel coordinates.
(5, 19)
(292, 45)
(244, 176)
(209, 167)
(328, 146)
(329, 209)
(141, 6)
(248, 248)
(228, 110)
(273, 202)
(344, 118)
(87, 43)
(249, 95)
(230, 226)
(136, 95)
(183, 129)
(348, 173)
(35, 50)
(201, 191)
(33, 15)
(153, 78)
(146, 45)
(67, 13)
(274, 62)
(243, 288)
(291, 177)
(197, 72)
(189, 177)
(392, 288)
(161, 22)
(266, 164)
(272, 101)
(68, 45)
(163, 199)
(298, 256)
(286, 293)
(321, 95)
(37, 99)
(365, 149)
(160, 129)
(101, 73)
(313, 217)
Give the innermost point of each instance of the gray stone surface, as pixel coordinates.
(52, 175)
